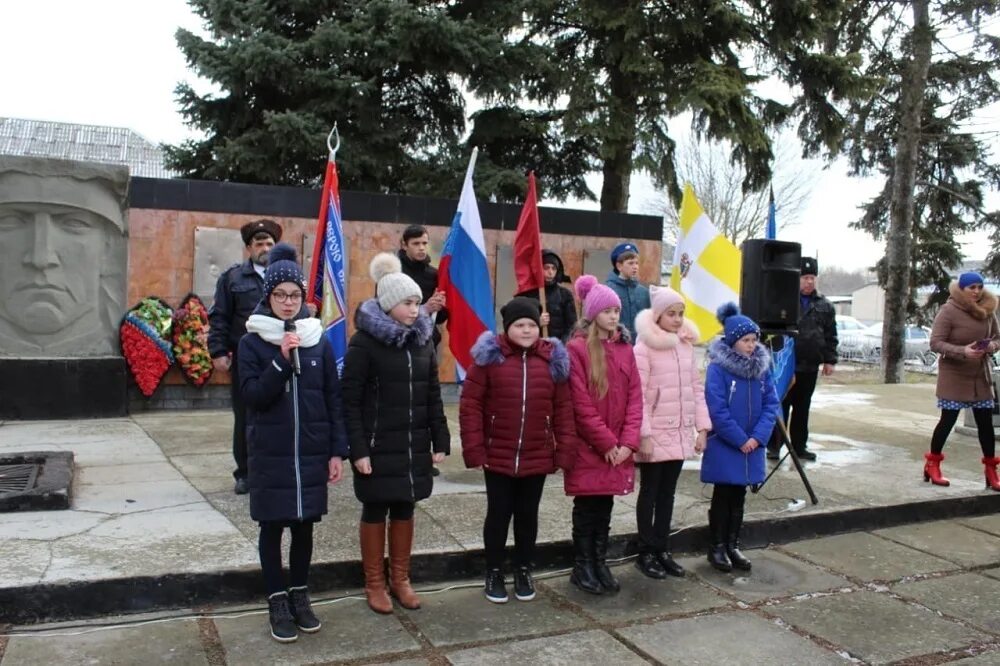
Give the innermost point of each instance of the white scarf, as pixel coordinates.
(310, 331)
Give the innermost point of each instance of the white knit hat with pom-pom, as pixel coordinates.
(393, 286)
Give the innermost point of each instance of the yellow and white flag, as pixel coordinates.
(706, 268)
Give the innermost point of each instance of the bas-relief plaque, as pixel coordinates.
(63, 239)
(215, 250)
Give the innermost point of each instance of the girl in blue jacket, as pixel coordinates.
(743, 407)
(295, 434)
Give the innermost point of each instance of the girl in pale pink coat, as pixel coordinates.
(673, 409)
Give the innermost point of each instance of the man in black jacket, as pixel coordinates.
(237, 292)
(560, 307)
(413, 255)
(815, 348)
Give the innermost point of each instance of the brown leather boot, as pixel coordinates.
(400, 544)
(372, 537)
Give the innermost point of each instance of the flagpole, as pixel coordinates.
(541, 299)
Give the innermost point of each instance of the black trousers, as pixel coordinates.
(655, 506)
(299, 554)
(511, 497)
(984, 428)
(376, 512)
(592, 514)
(239, 421)
(725, 514)
(795, 410)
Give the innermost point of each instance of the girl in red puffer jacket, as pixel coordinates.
(607, 402)
(516, 418)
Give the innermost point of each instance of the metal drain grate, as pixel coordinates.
(17, 478)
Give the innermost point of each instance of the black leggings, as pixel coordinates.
(655, 507)
(510, 497)
(984, 427)
(592, 514)
(375, 512)
(299, 554)
(725, 495)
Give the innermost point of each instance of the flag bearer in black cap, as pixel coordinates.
(815, 351)
(238, 291)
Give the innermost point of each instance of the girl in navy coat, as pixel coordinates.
(743, 407)
(295, 434)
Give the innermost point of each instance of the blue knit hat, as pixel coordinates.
(734, 324)
(282, 266)
(969, 279)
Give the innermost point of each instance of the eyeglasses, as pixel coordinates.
(283, 297)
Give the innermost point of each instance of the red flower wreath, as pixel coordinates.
(146, 352)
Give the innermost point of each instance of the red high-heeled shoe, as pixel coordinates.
(990, 467)
(932, 469)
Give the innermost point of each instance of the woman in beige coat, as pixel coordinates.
(965, 336)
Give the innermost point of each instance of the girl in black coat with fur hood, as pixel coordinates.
(396, 425)
(295, 435)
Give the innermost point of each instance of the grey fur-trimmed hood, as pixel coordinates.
(492, 349)
(372, 320)
(755, 366)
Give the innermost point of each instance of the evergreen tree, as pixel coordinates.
(948, 162)
(388, 72)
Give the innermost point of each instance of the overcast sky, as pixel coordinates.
(115, 62)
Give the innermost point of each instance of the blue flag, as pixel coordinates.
(783, 361)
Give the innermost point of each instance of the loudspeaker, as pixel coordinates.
(769, 283)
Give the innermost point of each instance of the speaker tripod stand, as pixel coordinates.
(789, 453)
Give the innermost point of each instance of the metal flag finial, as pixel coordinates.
(333, 149)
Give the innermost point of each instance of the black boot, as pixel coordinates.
(601, 539)
(670, 567)
(650, 566)
(280, 615)
(583, 575)
(717, 555)
(305, 619)
(735, 524)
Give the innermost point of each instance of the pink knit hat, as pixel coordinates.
(662, 298)
(595, 296)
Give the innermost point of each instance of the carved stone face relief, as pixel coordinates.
(62, 236)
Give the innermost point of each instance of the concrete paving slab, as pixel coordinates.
(189, 432)
(181, 539)
(989, 524)
(136, 496)
(967, 596)
(170, 643)
(24, 561)
(774, 575)
(740, 638)
(948, 539)
(985, 659)
(46, 525)
(992, 573)
(464, 616)
(867, 557)
(901, 630)
(585, 647)
(640, 597)
(102, 475)
(404, 662)
(350, 631)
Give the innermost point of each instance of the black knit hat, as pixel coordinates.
(520, 307)
(283, 266)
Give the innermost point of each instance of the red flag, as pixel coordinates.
(528, 244)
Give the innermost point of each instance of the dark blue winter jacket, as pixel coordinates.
(742, 404)
(295, 426)
(634, 297)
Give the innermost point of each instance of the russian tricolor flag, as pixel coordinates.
(464, 276)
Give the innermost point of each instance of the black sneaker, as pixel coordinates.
(280, 616)
(242, 487)
(524, 587)
(806, 454)
(305, 619)
(496, 588)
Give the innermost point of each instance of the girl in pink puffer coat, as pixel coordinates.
(673, 409)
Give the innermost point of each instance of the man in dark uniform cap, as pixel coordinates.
(237, 293)
(815, 346)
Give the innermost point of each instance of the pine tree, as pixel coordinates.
(388, 72)
(936, 164)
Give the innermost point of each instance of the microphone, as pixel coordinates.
(296, 366)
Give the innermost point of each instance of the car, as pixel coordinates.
(851, 342)
(916, 345)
